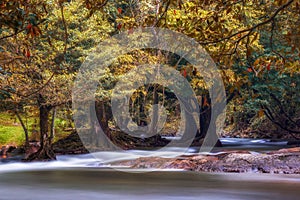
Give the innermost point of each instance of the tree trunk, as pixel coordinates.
(190, 126)
(45, 152)
(155, 114)
(205, 120)
(102, 117)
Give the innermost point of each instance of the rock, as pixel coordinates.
(285, 161)
(33, 148)
(69, 145)
(289, 150)
(6, 150)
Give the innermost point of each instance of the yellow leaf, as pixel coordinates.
(260, 113)
(256, 62)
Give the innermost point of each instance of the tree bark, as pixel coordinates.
(103, 115)
(205, 117)
(45, 151)
(155, 114)
(205, 120)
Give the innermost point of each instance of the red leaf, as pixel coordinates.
(249, 69)
(174, 12)
(184, 73)
(119, 26)
(29, 26)
(119, 10)
(269, 66)
(27, 53)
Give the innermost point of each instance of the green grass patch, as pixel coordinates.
(12, 135)
(11, 131)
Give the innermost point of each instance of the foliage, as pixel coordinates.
(254, 44)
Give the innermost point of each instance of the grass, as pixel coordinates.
(11, 131)
(12, 135)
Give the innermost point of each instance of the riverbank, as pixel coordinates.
(236, 155)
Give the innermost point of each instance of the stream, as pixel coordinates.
(83, 177)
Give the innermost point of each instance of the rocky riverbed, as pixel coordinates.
(284, 161)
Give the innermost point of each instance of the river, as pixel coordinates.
(80, 177)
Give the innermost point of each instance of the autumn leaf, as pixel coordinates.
(268, 67)
(119, 26)
(37, 31)
(205, 102)
(27, 54)
(184, 73)
(29, 26)
(120, 10)
(261, 113)
(88, 5)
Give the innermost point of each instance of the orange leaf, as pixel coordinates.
(249, 69)
(31, 32)
(27, 53)
(205, 103)
(88, 5)
(119, 10)
(261, 113)
(36, 30)
(174, 12)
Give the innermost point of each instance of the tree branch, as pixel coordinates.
(270, 19)
(282, 109)
(269, 115)
(19, 31)
(164, 12)
(65, 27)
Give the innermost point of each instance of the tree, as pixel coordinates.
(49, 51)
(43, 43)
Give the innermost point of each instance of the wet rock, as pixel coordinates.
(285, 161)
(32, 148)
(6, 150)
(69, 145)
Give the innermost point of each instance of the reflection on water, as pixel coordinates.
(88, 183)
